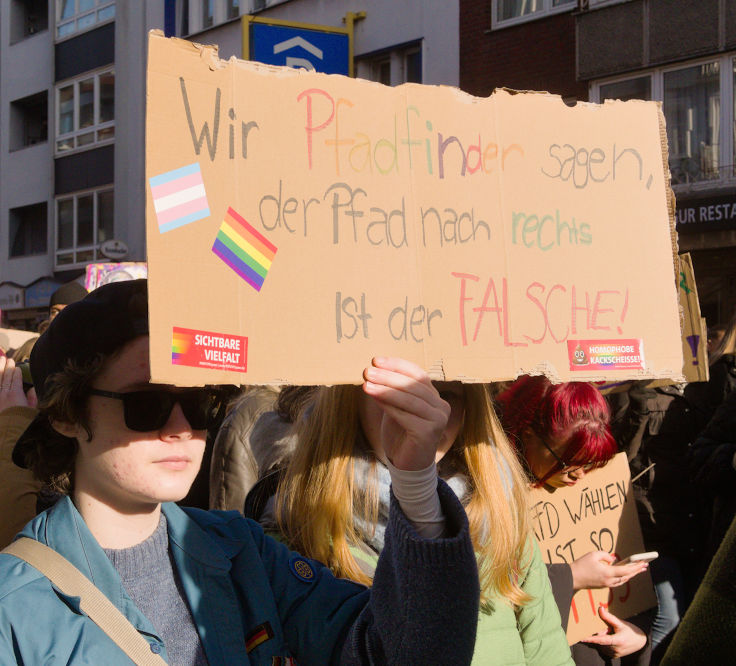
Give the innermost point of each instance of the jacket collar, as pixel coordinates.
(63, 529)
(193, 540)
(203, 569)
(203, 563)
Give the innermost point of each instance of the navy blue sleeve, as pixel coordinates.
(422, 608)
(424, 603)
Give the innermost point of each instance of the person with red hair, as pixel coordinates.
(561, 432)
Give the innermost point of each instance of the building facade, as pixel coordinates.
(681, 53)
(72, 85)
(394, 41)
(522, 45)
(72, 113)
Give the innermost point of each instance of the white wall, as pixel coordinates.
(26, 175)
(133, 20)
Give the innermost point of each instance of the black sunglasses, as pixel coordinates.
(144, 411)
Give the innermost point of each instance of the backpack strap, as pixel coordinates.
(67, 578)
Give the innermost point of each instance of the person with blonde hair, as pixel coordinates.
(333, 497)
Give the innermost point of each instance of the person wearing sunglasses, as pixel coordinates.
(561, 432)
(203, 587)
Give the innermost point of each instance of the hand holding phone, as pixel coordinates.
(639, 557)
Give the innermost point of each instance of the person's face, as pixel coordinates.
(452, 392)
(714, 339)
(55, 310)
(126, 469)
(543, 459)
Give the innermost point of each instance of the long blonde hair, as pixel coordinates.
(318, 497)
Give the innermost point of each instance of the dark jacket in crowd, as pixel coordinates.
(705, 397)
(706, 633)
(713, 473)
(239, 583)
(656, 427)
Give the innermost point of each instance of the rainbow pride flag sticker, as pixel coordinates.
(181, 344)
(242, 248)
(179, 197)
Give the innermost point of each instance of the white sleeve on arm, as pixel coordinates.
(416, 492)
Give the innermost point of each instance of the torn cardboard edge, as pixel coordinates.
(439, 368)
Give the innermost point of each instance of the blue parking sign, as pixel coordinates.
(314, 50)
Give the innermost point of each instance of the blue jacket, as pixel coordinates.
(241, 584)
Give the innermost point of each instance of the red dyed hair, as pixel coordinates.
(575, 412)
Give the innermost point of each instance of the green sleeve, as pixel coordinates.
(539, 624)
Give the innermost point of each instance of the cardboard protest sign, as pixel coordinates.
(694, 333)
(104, 273)
(598, 513)
(300, 223)
(12, 338)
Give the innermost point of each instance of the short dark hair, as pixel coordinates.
(51, 458)
(64, 361)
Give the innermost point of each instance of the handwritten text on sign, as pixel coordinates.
(327, 220)
(598, 513)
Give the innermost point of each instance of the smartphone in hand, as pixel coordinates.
(639, 557)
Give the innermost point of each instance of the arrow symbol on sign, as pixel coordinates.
(298, 41)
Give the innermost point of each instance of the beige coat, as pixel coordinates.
(18, 488)
(251, 442)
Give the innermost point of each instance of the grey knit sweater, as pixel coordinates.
(150, 580)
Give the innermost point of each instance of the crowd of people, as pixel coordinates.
(384, 522)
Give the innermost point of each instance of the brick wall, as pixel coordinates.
(536, 55)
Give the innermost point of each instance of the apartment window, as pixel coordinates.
(193, 16)
(638, 88)
(182, 18)
(413, 65)
(83, 221)
(232, 9)
(692, 105)
(29, 121)
(27, 17)
(85, 111)
(380, 71)
(27, 226)
(511, 12)
(698, 101)
(392, 67)
(73, 16)
(208, 13)
(732, 99)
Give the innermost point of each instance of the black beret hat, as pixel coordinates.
(101, 323)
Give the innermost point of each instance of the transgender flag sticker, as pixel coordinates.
(179, 197)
